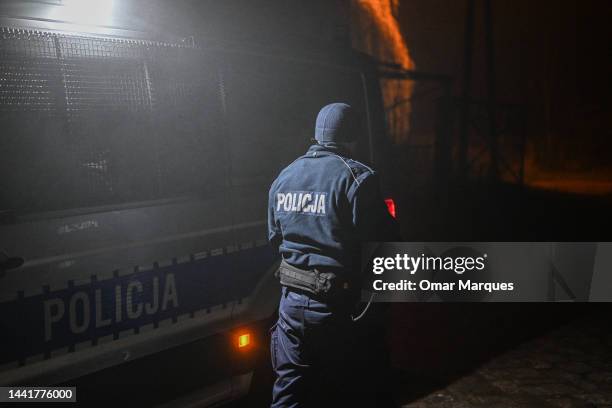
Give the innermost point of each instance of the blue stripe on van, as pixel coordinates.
(63, 318)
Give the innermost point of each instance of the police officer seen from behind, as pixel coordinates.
(321, 207)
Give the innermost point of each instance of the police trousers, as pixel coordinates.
(311, 346)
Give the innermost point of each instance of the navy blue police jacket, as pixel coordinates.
(322, 206)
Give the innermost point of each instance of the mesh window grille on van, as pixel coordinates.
(94, 121)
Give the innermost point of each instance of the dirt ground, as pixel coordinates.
(568, 367)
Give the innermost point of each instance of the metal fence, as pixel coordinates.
(451, 141)
(421, 155)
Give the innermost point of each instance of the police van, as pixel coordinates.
(133, 203)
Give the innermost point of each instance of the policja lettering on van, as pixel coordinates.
(303, 202)
(80, 311)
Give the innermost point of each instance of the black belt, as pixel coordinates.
(312, 281)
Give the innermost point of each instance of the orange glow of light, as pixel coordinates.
(244, 340)
(377, 33)
(570, 179)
